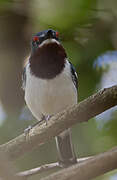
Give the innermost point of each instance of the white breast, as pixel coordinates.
(48, 97)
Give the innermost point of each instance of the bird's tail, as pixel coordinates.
(65, 149)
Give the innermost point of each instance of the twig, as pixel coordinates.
(88, 169)
(82, 112)
(45, 168)
(38, 170)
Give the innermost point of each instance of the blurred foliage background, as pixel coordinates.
(88, 31)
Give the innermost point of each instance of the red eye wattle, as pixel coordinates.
(36, 38)
(57, 34)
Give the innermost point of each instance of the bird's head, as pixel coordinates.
(44, 37)
(48, 56)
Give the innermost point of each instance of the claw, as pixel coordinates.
(47, 119)
(26, 132)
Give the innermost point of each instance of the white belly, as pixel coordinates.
(48, 97)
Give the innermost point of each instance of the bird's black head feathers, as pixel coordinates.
(40, 37)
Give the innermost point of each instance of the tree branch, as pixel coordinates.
(45, 168)
(7, 169)
(89, 168)
(82, 112)
(38, 170)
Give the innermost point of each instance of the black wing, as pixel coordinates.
(74, 75)
(24, 78)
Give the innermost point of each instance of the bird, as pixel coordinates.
(50, 84)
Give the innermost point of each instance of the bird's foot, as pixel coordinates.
(27, 130)
(47, 119)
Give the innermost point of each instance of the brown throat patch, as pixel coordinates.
(48, 61)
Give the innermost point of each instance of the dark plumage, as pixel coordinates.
(74, 75)
(48, 61)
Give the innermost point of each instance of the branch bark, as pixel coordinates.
(89, 168)
(7, 169)
(82, 112)
(45, 168)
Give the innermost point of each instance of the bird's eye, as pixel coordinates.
(57, 34)
(35, 39)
